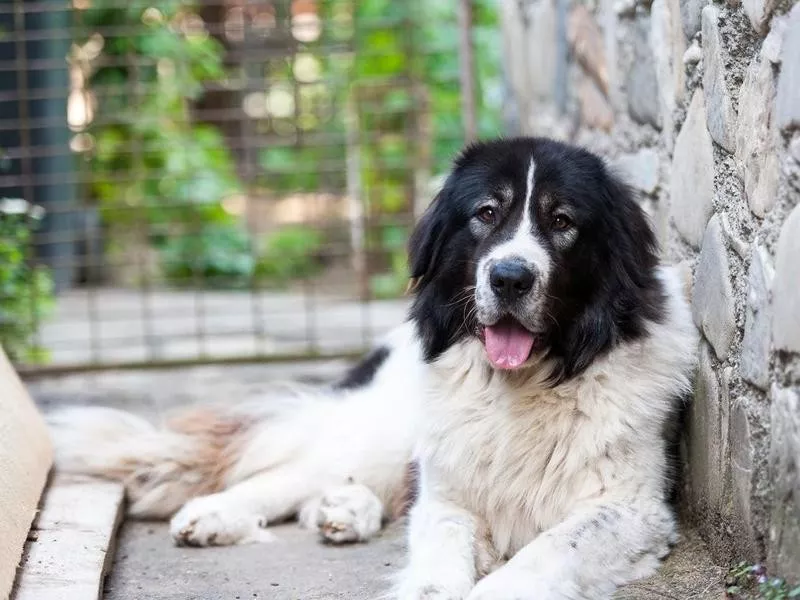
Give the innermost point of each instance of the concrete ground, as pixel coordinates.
(297, 566)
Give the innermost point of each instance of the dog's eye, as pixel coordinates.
(561, 222)
(487, 214)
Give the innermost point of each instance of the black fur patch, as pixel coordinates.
(362, 374)
(674, 429)
(603, 287)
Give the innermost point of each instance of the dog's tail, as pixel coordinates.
(161, 468)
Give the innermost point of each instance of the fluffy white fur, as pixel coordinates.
(337, 460)
(525, 491)
(567, 483)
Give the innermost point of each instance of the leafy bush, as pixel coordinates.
(219, 254)
(394, 282)
(405, 132)
(291, 253)
(153, 168)
(26, 293)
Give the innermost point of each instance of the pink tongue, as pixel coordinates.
(508, 345)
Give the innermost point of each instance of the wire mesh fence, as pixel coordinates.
(224, 180)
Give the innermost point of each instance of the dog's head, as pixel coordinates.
(537, 250)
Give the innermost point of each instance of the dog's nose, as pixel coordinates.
(511, 279)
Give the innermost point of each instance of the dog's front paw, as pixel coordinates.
(432, 587)
(430, 591)
(212, 521)
(351, 513)
(514, 584)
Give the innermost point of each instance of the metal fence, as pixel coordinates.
(223, 180)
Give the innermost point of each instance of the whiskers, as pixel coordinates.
(465, 298)
(462, 297)
(468, 316)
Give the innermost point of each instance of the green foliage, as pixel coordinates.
(751, 582)
(401, 83)
(392, 283)
(26, 292)
(156, 170)
(186, 175)
(153, 168)
(290, 253)
(219, 255)
(292, 168)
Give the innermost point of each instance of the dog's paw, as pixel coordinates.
(350, 513)
(432, 584)
(212, 521)
(431, 592)
(515, 584)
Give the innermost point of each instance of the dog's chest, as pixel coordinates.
(518, 461)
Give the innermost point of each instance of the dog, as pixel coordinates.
(521, 417)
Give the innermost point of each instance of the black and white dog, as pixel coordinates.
(544, 358)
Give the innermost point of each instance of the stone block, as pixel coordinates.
(759, 12)
(736, 243)
(742, 475)
(757, 143)
(786, 287)
(693, 54)
(712, 300)
(668, 45)
(773, 43)
(586, 39)
(784, 457)
(515, 65)
(596, 111)
(640, 170)
(719, 108)
(661, 220)
(625, 8)
(707, 479)
(644, 102)
(758, 323)
(609, 25)
(788, 97)
(692, 174)
(690, 16)
(685, 269)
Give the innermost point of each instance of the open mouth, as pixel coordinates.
(508, 344)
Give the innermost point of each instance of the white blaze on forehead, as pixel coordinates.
(526, 215)
(523, 244)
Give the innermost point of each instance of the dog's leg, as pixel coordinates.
(348, 513)
(589, 555)
(239, 514)
(442, 543)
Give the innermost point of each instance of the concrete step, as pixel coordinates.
(69, 547)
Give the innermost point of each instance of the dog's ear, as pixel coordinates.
(629, 293)
(426, 241)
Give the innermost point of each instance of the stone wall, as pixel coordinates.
(698, 106)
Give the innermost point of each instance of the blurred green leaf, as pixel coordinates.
(26, 291)
(288, 254)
